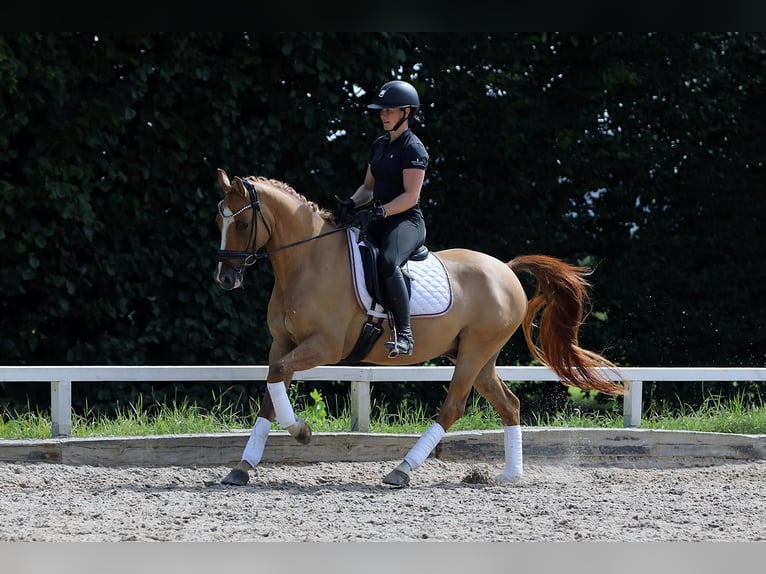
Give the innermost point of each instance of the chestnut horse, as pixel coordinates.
(315, 319)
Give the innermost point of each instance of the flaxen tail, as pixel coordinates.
(561, 292)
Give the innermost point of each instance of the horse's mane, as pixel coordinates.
(287, 188)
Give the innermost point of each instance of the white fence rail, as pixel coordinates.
(62, 377)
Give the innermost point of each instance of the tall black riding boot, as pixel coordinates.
(399, 304)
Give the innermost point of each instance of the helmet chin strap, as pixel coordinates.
(401, 121)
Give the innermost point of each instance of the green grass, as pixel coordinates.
(732, 416)
(715, 415)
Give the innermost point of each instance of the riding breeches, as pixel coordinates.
(397, 238)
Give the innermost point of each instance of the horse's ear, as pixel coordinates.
(239, 186)
(223, 181)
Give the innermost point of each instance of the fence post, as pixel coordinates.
(61, 408)
(631, 408)
(360, 406)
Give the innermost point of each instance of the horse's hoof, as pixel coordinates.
(237, 477)
(508, 479)
(397, 478)
(300, 431)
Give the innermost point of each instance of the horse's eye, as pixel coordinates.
(242, 225)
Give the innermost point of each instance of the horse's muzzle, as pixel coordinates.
(227, 277)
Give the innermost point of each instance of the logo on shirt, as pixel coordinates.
(419, 162)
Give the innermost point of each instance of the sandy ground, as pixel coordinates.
(333, 502)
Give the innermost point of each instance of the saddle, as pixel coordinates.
(369, 252)
(427, 285)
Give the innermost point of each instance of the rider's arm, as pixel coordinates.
(413, 183)
(363, 194)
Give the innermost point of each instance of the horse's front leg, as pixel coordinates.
(282, 409)
(315, 350)
(256, 443)
(283, 362)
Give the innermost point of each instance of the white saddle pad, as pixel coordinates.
(430, 285)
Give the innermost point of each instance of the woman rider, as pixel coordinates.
(395, 173)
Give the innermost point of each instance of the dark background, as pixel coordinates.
(638, 154)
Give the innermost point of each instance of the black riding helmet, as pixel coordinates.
(396, 94)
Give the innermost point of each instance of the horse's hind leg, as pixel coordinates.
(490, 386)
(451, 410)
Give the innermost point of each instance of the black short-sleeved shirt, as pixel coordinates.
(388, 159)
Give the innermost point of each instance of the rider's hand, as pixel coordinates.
(345, 211)
(363, 217)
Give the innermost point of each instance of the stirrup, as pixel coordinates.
(402, 346)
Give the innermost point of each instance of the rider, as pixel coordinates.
(395, 174)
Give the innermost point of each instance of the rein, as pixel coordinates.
(252, 257)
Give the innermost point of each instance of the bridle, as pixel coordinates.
(251, 257)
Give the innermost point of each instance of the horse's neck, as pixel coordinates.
(293, 224)
(311, 269)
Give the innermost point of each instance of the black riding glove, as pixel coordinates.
(345, 211)
(363, 217)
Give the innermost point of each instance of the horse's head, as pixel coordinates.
(241, 236)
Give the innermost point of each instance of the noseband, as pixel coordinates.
(252, 257)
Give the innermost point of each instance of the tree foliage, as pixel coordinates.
(639, 154)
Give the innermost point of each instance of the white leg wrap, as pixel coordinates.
(282, 406)
(426, 443)
(514, 467)
(257, 442)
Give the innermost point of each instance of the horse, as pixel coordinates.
(314, 317)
